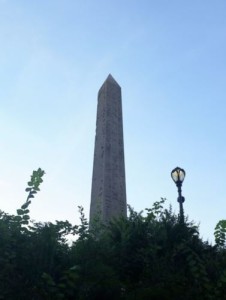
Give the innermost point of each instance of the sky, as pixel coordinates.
(169, 59)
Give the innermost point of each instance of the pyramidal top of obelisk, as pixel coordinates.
(108, 194)
(111, 79)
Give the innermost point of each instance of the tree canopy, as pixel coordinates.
(145, 256)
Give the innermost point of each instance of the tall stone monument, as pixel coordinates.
(108, 196)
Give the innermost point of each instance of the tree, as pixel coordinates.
(151, 256)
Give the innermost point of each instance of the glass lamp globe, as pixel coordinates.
(178, 175)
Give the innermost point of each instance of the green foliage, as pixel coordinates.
(220, 233)
(139, 257)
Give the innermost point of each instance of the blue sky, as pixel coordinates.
(168, 57)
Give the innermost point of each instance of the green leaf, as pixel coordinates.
(24, 222)
(25, 205)
(18, 218)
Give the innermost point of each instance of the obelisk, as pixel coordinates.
(108, 195)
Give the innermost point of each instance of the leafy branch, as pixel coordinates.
(32, 189)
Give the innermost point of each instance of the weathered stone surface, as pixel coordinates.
(108, 196)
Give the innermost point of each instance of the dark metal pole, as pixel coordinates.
(180, 199)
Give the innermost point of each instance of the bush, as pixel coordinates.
(139, 257)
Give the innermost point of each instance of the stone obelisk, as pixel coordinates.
(108, 196)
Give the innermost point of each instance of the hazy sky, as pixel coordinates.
(169, 57)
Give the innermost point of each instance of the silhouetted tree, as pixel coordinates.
(151, 256)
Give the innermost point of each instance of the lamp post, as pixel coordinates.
(178, 176)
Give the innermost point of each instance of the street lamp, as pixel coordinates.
(178, 176)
